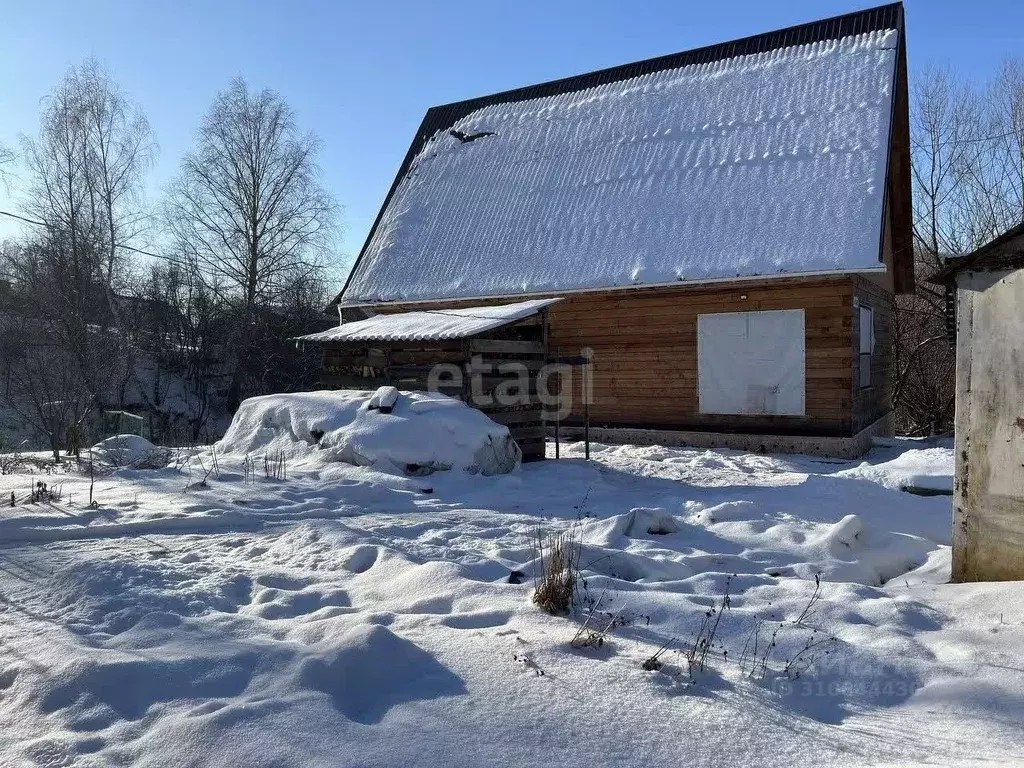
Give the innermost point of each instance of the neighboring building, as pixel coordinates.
(988, 487)
(727, 227)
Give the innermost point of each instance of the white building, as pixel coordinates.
(988, 491)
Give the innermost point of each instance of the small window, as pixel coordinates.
(867, 344)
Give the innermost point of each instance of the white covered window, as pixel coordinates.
(751, 363)
(867, 344)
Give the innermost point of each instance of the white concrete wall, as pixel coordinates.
(988, 498)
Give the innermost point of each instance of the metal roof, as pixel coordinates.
(1000, 253)
(428, 325)
(444, 117)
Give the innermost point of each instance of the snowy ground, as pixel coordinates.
(343, 616)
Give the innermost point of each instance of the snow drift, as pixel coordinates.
(337, 618)
(926, 467)
(424, 432)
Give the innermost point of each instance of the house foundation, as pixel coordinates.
(851, 447)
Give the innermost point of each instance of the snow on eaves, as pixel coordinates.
(757, 165)
(431, 325)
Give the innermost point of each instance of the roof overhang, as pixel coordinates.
(432, 325)
(739, 279)
(984, 258)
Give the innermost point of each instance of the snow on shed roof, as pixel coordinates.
(759, 162)
(433, 324)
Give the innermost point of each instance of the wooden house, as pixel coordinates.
(726, 226)
(988, 481)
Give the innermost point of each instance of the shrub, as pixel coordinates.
(696, 657)
(556, 571)
(11, 463)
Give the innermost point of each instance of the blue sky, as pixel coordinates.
(361, 75)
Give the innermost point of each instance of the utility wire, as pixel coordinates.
(120, 245)
(975, 140)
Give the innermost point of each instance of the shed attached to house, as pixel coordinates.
(489, 357)
(727, 226)
(988, 486)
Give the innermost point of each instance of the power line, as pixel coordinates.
(50, 226)
(975, 140)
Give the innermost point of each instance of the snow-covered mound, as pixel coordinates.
(130, 451)
(424, 432)
(928, 468)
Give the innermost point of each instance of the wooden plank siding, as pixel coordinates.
(644, 344)
(645, 353)
(873, 402)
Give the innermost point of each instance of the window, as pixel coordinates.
(867, 344)
(751, 363)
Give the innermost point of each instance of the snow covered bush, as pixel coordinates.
(130, 451)
(11, 463)
(424, 433)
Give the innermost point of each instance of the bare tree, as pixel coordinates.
(85, 170)
(945, 131)
(249, 210)
(1000, 167)
(184, 322)
(121, 150)
(7, 158)
(968, 185)
(45, 385)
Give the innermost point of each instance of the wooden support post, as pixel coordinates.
(586, 430)
(558, 412)
(585, 394)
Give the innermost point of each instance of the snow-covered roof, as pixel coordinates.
(432, 325)
(764, 163)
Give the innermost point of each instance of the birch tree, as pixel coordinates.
(249, 210)
(85, 169)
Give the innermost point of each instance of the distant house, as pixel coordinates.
(727, 227)
(988, 487)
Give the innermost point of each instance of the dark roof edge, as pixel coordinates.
(975, 259)
(854, 23)
(889, 16)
